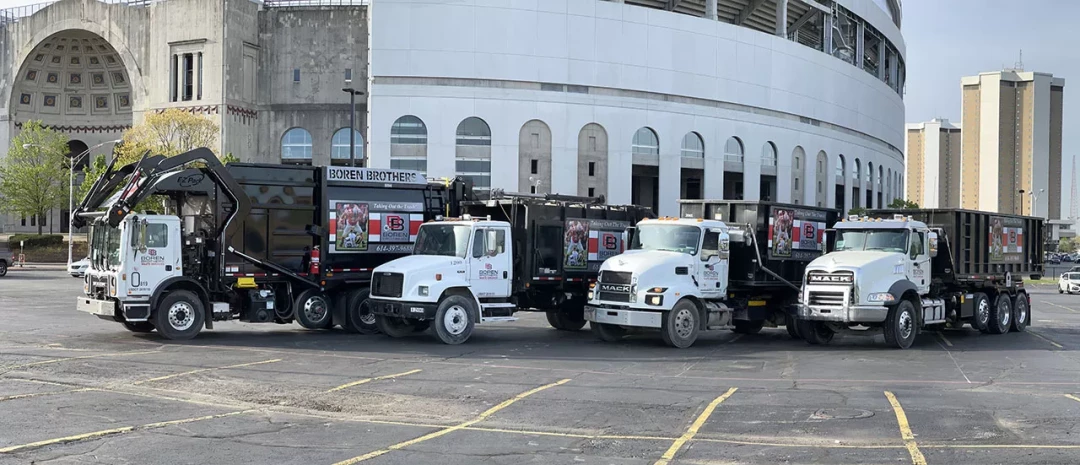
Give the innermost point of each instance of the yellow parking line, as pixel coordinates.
(445, 431)
(65, 359)
(1073, 397)
(694, 427)
(39, 394)
(203, 370)
(368, 380)
(905, 431)
(1040, 336)
(110, 432)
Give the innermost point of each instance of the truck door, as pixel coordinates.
(489, 265)
(919, 261)
(713, 266)
(547, 250)
(155, 254)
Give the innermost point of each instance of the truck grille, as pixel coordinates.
(826, 298)
(387, 284)
(614, 296)
(841, 278)
(615, 277)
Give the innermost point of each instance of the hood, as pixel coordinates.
(415, 263)
(641, 260)
(854, 260)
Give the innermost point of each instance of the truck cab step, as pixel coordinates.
(497, 319)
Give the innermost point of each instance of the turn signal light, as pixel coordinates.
(438, 276)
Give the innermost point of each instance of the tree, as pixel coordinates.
(34, 176)
(1066, 245)
(168, 133)
(902, 204)
(857, 211)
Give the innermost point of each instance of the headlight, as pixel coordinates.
(658, 290)
(590, 294)
(423, 291)
(633, 292)
(655, 300)
(881, 297)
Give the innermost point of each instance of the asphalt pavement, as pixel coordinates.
(75, 389)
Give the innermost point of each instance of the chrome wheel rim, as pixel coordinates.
(684, 323)
(984, 312)
(315, 309)
(1021, 312)
(455, 320)
(181, 316)
(1006, 317)
(905, 325)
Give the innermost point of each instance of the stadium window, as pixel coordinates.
(296, 75)
(535, 168)
(172, 77)
(348, 74)
(592, 192)
(592, 168)
(188, 76)
(199, 97)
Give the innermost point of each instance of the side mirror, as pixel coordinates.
(628, 236)
(933, 238)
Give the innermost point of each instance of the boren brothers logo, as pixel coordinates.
(488, 272)
(395, 228)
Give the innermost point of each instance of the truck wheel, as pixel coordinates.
(139, 326)
(393, 326)
(901, 326)
(607, 332)
(179, 316)
(1001, 314)
(792, 327)
(358, 316)
(815, 332)
(680, 325)
(454, 319)
(564, 321)
(749, 326)
(3, 268)
(981, 319)
(1021, 313)
(313, 310)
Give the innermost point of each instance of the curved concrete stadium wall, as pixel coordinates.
(624, 67)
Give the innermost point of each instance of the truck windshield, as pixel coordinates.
(670, 237)
(104, 246)
(887, 240)
(442, 239)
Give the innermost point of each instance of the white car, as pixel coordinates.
(78, 269)
(1069, 283)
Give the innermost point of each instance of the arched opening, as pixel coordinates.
(856, 171)
(768, 172)
(734, 157)
(339, 147)
(592, 160)
(473, 152)
(693, 166)
(408, 144)
(645, 172)
(296, 147)
(880, 186)
(840, 191)
(870, 185)
(819, 178)
(534, 157)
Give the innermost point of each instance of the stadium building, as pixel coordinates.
(643, 101)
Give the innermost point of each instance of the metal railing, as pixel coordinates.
(14, 14)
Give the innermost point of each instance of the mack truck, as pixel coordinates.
(724, 265)
(511, 252)
(900, 272)
(179, 243)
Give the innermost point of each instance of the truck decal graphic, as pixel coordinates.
(365, 227)
(587, 243)
(1006, 239)
(796, 234)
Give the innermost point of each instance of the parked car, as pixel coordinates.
(1069, 283)
(78, 269)
(6, 259)
(1074, 269)
(1052, 260)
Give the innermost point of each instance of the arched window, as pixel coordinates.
(693, 146)
(869, 175)
(296, 146)
(856, 170)
(408, 144)
(768, 154)
(880, 176)
(339, 147)
(474, 152)
(840, 167)
(733, 150)
(645, 142)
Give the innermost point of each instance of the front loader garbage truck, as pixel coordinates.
(903, 271)
(512, 252)
(257, 243)
(726, 264)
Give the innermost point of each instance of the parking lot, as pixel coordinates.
(75, 389)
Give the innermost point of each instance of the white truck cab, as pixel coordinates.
(673, 278)
(459, 275)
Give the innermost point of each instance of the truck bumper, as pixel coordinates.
(104, 309)
(624, 317)
(857, 314)
(402, 309)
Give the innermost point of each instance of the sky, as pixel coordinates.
(949, 39)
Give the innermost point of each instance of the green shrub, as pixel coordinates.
(34, 240)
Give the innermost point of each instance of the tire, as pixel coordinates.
(139, 326)
(815, 332)
(358, 316)
(564, 321)
(313, 310)
(680, 325)
(607, 332)
(179, 316)
(1001, 314)
(749, 326)
(1060, 291)
(3, 268)
(981, 319)
(901, 325)
(1021, 313)
(393, 326)
(454, 321)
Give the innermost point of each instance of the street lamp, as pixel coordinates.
(352, 119)
(1035, 201)
(71, 186)
(1022, 202)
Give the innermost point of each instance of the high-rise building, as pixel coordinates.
(1012, 142)
(933, 164)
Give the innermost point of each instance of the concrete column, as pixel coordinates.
(713, 184)
(781, 18)
(178, 77)
(620, 173)
(784, 189)
(710, 13)
(670, 184)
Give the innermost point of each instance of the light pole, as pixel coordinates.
(1035, 201)
(1022, 202)
(352, 119)
(71, 187)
